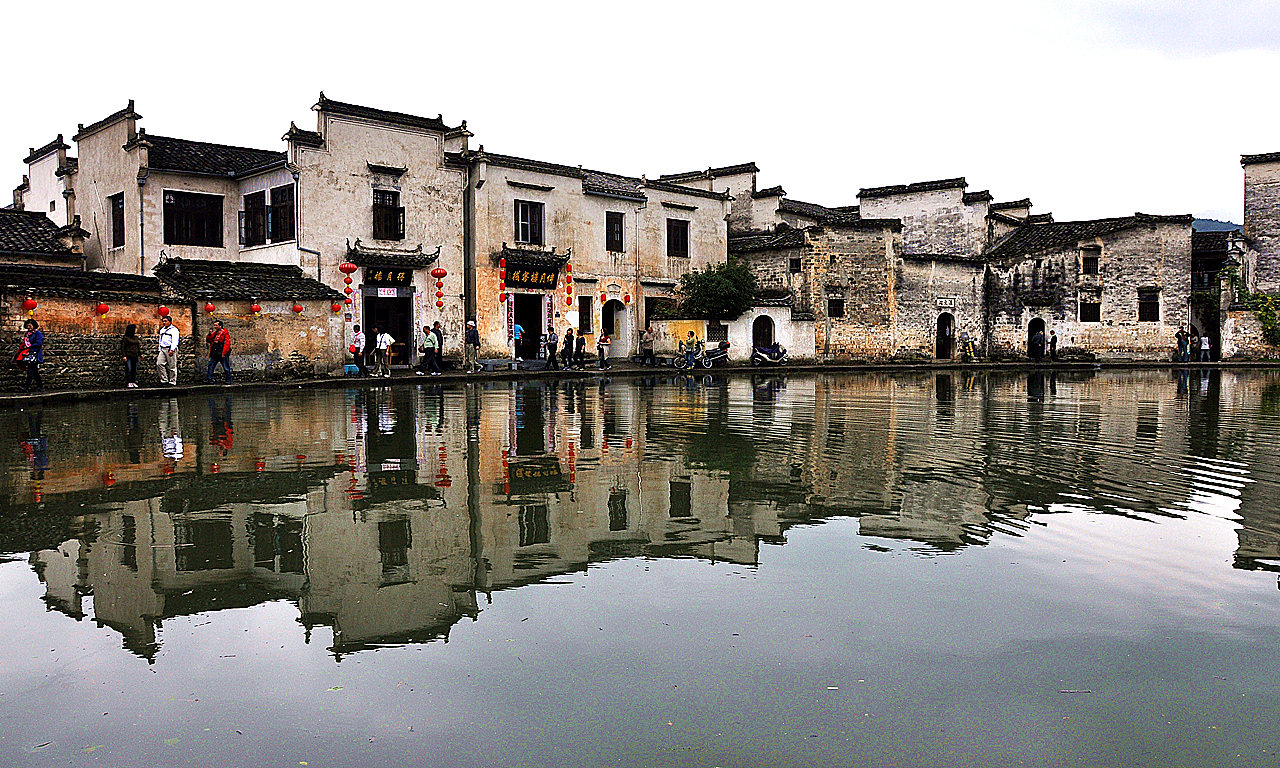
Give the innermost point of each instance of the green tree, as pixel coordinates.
(718, 291)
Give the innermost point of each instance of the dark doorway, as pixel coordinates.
(529, 310)
(945, 344)
(1036, 326)
(395, 316)
(762, 331)
(613, 321)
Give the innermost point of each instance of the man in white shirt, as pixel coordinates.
(383, 342)
(358, 343)
(167, 358)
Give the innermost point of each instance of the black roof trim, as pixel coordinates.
(1267, 157)
(1023, 203)
(919, 186)
(389, 170)
(47, 149)
(302, 137)
(711, 173)
(75, 282)
(777, 191)
(332, 107)
(978, 197)
(111, 119)
(593, 181)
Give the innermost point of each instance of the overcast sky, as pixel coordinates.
(1089, 108)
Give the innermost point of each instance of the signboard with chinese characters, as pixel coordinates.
(540, 474)
(532, 276)
(387, 276)
(946, 302)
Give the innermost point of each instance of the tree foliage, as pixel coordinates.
(717, 291)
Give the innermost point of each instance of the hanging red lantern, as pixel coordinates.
(297, 309)
(439, 283)
(502, 263)
(502, 274)
(255, 308)
(208, 307)
(568, 289)
(439, 304)
(439, 294)
(347, 301)
(568, 279)
(103, 309)
(347, 290)
(568, 268)
(163, 311)
(336, 307)
(347, 267)
(626, 298)
(502, 298)
(568, 301)
(347, 279)
(439, 273)
(604, 297)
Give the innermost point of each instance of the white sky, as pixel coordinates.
(1089, 108)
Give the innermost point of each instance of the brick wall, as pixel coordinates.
(81, 350)
(1262, 221)
(853, 265)
(276, 344)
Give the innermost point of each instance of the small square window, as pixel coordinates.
(835, 307)
(717, 332)
(1090, 312)
(613, 239)
(1089, 264)
(793, 266)
(1149, 305)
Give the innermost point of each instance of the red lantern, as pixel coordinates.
(30, 305)
(439, 294)
(297, 309)
(208, 307)
(568, 279)
(568, 301)
(352, 349)
(502, 263)
(255, 308)
(347, 280)
(347, 301)
(439, 273)
(502, 298)
(626, 298)
(604, 297)
(439, 304)
(103, 309)
(336, 307)
(347, 290)
(502, 274)
(568, 268)
(163, 311)
(347, 267)
(439, 283)
(568, 289)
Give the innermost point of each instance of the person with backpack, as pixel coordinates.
(130, 351)
(219, 341)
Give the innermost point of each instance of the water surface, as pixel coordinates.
(933, 570)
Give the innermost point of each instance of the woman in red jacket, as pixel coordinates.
(219, 342)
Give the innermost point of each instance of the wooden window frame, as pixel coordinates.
(186, 223)
(615, 231)
(388, 215)
(116, 203)
(677, 238)
(529, 216)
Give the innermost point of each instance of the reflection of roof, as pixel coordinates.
(205, 158)
(198, 278)
(1034, 238)
(30, 232)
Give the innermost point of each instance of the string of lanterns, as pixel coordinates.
(439, 274)
(502, 281)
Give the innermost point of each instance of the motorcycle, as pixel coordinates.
(774, 355)
(702, 357)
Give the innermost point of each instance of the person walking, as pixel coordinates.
(646, 347)
(1053, 345)
(219, 341)
(518, 332)
(130, 352)
(167, 357)
(438, 330)
(553, 341)
(602, 351)
(1183, 339)
(383, 341)
(471, 347)
(425, 351)
(1206, 344)
(566, 356)
(31, 354)
(580, 351)
(430, 352)
(358, 343)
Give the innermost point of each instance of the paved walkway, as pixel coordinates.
(629, 370)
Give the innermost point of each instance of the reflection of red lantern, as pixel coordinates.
(108, 479)
(103, 309)
(336, 307)
(297, 309)
(439, 273)
(163, 311)
(255, 308)
(347, 267)
(259, 465)
(208, 307)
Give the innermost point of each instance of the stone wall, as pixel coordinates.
(853, 264)
(275, 344)
(927, 289)
(1243, 338)
(935, 221)
(81, 350)
(1262, 221)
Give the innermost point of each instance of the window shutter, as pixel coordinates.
(242, 225)
(516, 219)
(535, 225)
(400, 223)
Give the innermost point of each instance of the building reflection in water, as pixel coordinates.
(389, 514)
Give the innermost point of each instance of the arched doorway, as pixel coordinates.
(762, 331)
(1035, 327)
(614, 321)
(945, 342)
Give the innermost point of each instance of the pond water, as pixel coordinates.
(926, 570)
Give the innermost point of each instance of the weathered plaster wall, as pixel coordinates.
(1262, 221)
(277, 343)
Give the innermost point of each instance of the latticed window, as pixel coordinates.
(253, 219)
(117, 219)
(613, 240)
(191, 218)
(677, 238)
(1149, 305)
(388, 215)
(1090, 312)
(717, 332)
(280, 214)
(528, 220)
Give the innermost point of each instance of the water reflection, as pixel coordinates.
(390, 514)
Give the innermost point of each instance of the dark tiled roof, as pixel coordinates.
(381, 115)
(71, 166)
(779, 239)
(47, 149)
(30, 232)
(855, 221)
(770, 192)
(1210, 242)
(978, 197)
(1269, 157)
(305, 138)
(594, 183)
(530, 257)
(768, 298)
(73, 282)
(1015, 221)
(186, 156)
(198, 278)
(85, 130)
(1023, 203)
(1038, 238)
(724, 170)
(366, 256)
(665, 186)
(811, 210)
(1040, 218)
(919, 186)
